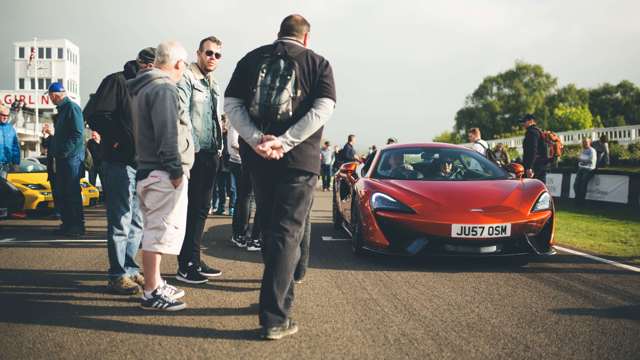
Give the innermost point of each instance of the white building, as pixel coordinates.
(53, 61)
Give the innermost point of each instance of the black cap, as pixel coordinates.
(527, 118)
(147, 55)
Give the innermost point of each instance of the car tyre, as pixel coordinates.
(337, 218)
(356, 237)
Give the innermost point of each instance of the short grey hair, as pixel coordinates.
(169, 53)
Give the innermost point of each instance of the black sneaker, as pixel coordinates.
(160, 301)
(254, 245)
(278, 332)
(191, 275)
(208, 271)
(239, 241)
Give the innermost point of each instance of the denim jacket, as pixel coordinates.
(201, 103)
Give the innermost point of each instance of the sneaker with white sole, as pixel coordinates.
(172, 291)
(208, 271)
(239, 241)
(191, 275)
(160, 301)
(254, 245)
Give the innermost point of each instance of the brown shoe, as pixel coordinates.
(123, 286)
(138, 279)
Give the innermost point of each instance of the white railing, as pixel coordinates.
(622, 134)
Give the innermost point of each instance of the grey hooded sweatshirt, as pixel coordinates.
(163, 141)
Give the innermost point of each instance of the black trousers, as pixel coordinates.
(283, 199)
(201, 180)
(305, 245)
(581, 183)
(540, 172)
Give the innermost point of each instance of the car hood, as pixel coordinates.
(461, 201)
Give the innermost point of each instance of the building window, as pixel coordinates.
(40, 84)
(48, 53)
(21, 52)
(21, 83)
(60, 53)
(33, 84)
(47, 83)
(60, 81)
(40, 53)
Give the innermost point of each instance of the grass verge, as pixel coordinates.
(600, 229)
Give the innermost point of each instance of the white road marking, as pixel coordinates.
(599, 259)
(87, 241)
(331, 238)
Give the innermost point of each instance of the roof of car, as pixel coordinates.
(424, 145)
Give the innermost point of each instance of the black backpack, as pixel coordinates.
(276, 91)
(489, 153)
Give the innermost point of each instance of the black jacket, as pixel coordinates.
(109, 113)
(533, 149)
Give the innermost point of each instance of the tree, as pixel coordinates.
(501, 100)
(566, 117)
(616, 105)
(449, 137)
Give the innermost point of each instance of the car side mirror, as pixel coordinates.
(516, 169)
(348, 168)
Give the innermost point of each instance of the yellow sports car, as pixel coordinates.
(31, 180)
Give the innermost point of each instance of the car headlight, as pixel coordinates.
(34, 186)
(543, 203)
(380, 201)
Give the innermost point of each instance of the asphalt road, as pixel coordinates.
(53, 304)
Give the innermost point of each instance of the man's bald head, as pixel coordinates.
(294, 26)
(4, 114)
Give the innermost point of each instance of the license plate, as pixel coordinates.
(3, 212)
(486, 231)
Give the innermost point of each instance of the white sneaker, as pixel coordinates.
(170, 291)
(254, 245)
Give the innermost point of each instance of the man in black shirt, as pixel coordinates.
(93, 145)
(533, 147)
(283, 157)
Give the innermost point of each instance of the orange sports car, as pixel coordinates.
(442, 199)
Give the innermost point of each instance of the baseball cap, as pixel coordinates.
(56, 87)
(527, 118)
(147, 55)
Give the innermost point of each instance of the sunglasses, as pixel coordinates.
(211, 53)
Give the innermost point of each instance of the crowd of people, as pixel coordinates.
(169, 147)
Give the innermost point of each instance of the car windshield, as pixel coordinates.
(30, 165)
(436, 164)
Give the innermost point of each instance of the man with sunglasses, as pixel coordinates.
(201, 105)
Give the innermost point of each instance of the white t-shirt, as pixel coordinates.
(480, 146)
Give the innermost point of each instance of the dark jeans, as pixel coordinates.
(201, 180)
(67, 190)
(225, 185)
(283, 199)
(325, 173)
(94, 173)
(124, 219)
(581, 183)
(540, 173)
(242, 206)
(303, 263)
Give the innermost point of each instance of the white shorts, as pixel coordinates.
(164, 211)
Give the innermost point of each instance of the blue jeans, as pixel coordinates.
(67, 191)
(225, 185)
(325, 173)
(124, 219)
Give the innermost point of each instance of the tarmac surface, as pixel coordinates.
(54, 304)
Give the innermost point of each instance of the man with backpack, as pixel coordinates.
(279, 98)
(109, 113)
(535, 155)
(476, 141)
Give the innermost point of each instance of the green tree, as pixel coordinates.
(566, 117)
(501, 100)
(450, 137)
(616, 105)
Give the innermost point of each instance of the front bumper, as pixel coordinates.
(405, 241)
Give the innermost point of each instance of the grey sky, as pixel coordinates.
(402, 68)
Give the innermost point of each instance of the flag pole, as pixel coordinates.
(35, 128)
